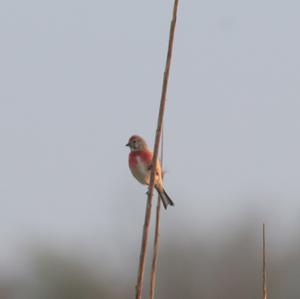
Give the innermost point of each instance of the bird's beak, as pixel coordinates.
(127, 144)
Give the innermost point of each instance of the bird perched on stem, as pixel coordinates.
(140, 163)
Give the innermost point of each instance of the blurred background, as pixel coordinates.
(79, 77)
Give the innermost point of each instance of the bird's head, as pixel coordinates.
(136, 143)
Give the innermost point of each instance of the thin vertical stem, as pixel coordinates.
(265, 293)
(143, 253)
(157, 230)
(155, 251)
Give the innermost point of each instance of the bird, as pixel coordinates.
(140, 164)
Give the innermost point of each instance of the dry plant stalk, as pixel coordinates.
(155, 250)
(265, 291)
(157, 229)
(143, 253)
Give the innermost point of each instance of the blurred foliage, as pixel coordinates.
(188, 268)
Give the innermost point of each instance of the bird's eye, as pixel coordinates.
(134, 141)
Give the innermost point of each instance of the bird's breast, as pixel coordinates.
(139, 168)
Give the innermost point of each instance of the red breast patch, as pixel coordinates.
(145, 156)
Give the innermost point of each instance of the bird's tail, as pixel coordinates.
(166, 200)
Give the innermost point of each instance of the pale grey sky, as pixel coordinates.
(79, 77)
